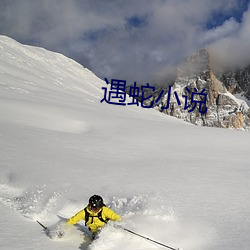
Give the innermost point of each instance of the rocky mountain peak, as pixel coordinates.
(196, 74)
(196, 64)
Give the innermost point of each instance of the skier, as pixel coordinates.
(95, 214)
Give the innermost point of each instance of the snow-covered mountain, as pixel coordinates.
(237, 82)
(226, 93)
(182, 185)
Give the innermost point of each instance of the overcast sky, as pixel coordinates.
(133, 40)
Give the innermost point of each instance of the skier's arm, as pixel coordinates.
(77, 217)
(110, 214)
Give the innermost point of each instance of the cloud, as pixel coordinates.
(132, 40)
(228, 28)
(233, 49)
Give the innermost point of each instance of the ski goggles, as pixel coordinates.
(94, 208)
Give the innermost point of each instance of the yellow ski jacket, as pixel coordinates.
(94, 223)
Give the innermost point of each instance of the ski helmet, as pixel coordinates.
(95, 202)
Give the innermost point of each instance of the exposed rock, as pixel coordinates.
(223, 109)
(237, 81)
(198, 87)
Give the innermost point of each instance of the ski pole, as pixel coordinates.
(45, 228)
(146, 238)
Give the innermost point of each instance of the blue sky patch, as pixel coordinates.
(219, 17)
(136, 21)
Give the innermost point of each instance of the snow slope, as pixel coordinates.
(176, 183)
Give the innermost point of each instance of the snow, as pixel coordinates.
(182, 185)
(242, 99)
